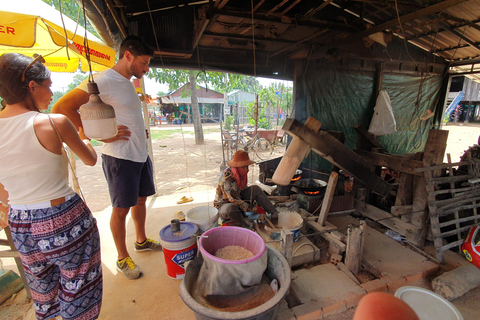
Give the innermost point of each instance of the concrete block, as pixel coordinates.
(457, 282)
(284, 312)
(352, 298)
(334, 308)
(375, 285)
(311, 310)
(325, 284)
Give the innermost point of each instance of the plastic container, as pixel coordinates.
(218, 238)
(277, 268)
(427, 304)
(178, 247)
(292, 221)
(204, 217)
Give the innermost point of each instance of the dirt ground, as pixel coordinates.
(182, 166)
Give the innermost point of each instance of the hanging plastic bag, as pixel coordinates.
(383, 120)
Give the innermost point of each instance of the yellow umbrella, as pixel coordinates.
(32, 26)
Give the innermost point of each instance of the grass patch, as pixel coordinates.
(165, 134)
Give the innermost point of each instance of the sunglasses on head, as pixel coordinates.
(36, 57)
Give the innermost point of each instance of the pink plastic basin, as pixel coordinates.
(218, 238)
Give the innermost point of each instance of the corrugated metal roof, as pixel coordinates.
(265, 40)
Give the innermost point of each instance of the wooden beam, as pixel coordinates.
(366, 140)
(313, 11)
(294, 155)
(334, 151)
(385, 218)
(433, 155)
(333, 240)
(397, 163)
(286, 246)
(440, 6)
(355, 244)
(328, 197)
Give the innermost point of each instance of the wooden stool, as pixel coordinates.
(12, 252)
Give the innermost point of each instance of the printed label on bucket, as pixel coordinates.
(181, 258)
(175, 260)
(296, 234)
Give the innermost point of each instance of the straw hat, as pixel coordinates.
(240, 159)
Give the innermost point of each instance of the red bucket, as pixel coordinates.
(178, 248)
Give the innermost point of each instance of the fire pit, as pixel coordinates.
(311, 186)
(310, 193)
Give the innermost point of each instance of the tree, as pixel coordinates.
(77, 79)
(71, 9)
(218, 81)
(197, 123)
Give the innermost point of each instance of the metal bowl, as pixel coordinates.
(310, 185)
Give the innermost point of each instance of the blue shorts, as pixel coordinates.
(128, 180)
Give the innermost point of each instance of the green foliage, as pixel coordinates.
(218, 81)
(186, 93)
(166, 134)
(279, 96)
(77, 79)
(71, 9)
(56, 96)
(229, 121)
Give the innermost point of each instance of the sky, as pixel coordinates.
(62, 80)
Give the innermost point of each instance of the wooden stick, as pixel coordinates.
(355, 243)
(270, 222)
(286, 247)
(328, 198)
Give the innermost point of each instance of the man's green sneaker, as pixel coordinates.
(129, 269)
(148, 245)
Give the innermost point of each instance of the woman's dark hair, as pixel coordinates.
(136, 46)
(12, 67)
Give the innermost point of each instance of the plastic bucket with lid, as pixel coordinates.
(204, 217)
(427, 304)
(178, 247)
(218, 238)
(290, 220)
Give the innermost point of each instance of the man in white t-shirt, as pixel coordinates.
(125, 161)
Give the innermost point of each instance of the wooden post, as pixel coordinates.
(433, 154)
(286, 247)
(338, 154)
(327, 199)
(355, 243)
(294, 155)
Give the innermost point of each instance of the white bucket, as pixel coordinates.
(204, 217)
(290, 220)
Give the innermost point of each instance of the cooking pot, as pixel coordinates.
(310, 185)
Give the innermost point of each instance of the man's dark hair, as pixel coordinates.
(135, 46)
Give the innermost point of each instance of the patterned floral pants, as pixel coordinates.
(60, 251)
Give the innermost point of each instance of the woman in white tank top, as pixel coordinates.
(52, 228)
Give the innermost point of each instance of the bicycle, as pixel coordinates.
(262, 147)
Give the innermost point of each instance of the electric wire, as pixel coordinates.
(64, 29)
